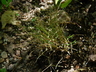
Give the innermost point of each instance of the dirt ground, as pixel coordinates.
(23, 50)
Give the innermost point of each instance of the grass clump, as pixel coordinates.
(49, 32)
(52, 42)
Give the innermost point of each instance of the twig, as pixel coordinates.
(47, 67)
(58, 63)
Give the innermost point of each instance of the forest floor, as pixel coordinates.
(62, 40)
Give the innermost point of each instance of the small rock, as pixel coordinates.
(15, 59)
(7, 60)
(18, 52)
(4, 54)
(92, 58)
(1, 60)
(11, 66)
(11, 59)
(71, 70)
(24, 49)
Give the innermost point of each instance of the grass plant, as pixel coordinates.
(48, 31)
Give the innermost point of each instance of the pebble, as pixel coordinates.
(24, 49)
(92, 58)
(18, 52)
(4, 54)
(11, 66)
(15, 59)
(71, 70)
(1, 60)
(7, 60)
(11, 59)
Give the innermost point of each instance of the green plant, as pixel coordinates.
(48, 31)
(9, 17)
(3, 70)
(61, 4)
(4, 3)
(72, 42)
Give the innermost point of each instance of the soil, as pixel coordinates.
(20, 51)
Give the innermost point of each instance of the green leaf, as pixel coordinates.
(3, 70)
(4, 2)
(9, 1)
(65, 4)
(0, 6)
(71, 36)
(17, 14)
(34, 19)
